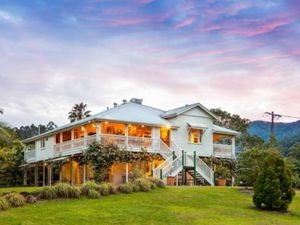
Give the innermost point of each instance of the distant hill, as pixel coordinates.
(282, 130)
(286, 134)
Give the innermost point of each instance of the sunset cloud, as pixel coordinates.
(242, 56)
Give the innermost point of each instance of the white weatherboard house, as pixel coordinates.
(182, 136)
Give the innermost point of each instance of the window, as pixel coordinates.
(113, 128)
(66, 136)
(57, 138)
(195, 135)
(139, 131)
(79, 132)
(91, 129)
(43, 143)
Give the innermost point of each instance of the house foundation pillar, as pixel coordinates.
(25, 176)
(126, 168)
(36, 170)
(49, 175)
(84, 173)
(44, 174)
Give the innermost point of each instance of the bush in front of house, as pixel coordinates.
(4, 204)
(91, 193)
(64, 190)
(158, 182)
(48, 193)
(143, 184)
(15, 199)
(85, 188)
(126, 188)
(30, 199)
(104, 189)
(273, 187)
(112, 188)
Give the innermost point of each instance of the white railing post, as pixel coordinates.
(126, 136)
(98, 131)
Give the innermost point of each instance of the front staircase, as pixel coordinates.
(183, 166)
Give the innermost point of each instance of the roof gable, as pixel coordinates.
(178, 111)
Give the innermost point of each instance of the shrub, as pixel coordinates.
(48, 193)
(112, 188)
(144, 184)
(30, 199)
(64, 190)
(92, 194)
(4, 204)
(136, 187)
(273, 188)
(158, 182)
(15, 199)
(104, 189)
(126, 188)
(90, 185)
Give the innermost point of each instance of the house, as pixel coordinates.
(182, 136)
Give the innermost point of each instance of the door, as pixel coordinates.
(165, 135)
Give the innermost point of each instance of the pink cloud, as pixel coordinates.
(185, 23)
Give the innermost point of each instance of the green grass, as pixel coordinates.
(190, 205)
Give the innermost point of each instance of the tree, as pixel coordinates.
(1, 111)
(79, 112)
(11, 157)
(249, 164)
(51, 125)
(231, 121)
(273, 187)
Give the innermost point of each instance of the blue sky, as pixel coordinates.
(242, 56)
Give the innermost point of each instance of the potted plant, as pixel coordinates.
(170, 180)
(222, 173)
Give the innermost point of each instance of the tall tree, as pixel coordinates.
(231, 121)
(79, 112)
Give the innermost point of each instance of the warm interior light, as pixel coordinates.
(143, 126)
(106, 122)
(168, 127)
(94, 125)
(82, 128)
(129, 125)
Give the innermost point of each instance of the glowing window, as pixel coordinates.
(113, 128)
(195, 135)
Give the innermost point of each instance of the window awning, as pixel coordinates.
(196, 125)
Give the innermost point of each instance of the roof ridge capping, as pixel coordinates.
(177, 111)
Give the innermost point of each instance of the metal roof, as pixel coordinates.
(223, 130)
(177, 111)
(128, 112)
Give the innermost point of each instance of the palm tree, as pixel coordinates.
(79, 112)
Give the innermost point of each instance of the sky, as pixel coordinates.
(241, 56)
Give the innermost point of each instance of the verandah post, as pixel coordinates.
(71, 172)
(44, 175)
(84, 173)
(49, 175)
(25, 176)
(36, 175)
(194, 168)
(126, 168)
(161, 174)
(183, 169)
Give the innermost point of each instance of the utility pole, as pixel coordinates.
(273, 117)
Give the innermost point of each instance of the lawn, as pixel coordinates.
(187, 205)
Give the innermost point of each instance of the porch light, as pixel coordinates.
(82, 128)
(129, 125)
(143, 126)
(106, 122)
(94, 125)
(168, 127)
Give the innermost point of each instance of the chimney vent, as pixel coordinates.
(137, 100)
(124, 101)
(115, 104)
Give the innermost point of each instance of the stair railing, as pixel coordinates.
(171, 168)
(156, 171)
(205, 171)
